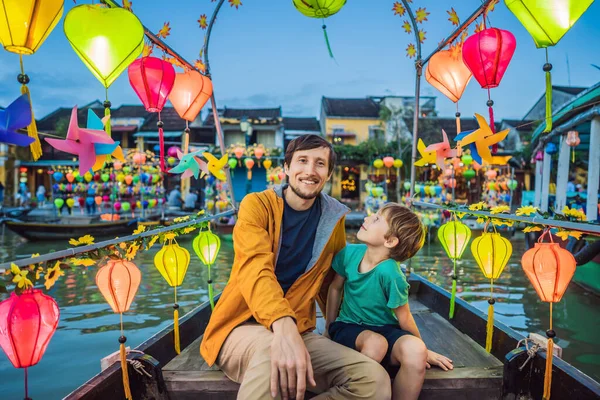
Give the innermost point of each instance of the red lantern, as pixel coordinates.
(487, 54)
(152, 80)
(27, 324)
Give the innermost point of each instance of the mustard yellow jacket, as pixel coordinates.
(253, 290)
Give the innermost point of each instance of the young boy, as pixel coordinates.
(375, 318)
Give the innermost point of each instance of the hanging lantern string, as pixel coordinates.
(186, 140)
(161, 143)
(176, 316)
(107, 127)
(36, 146)
(327, 39)
(123, 354)
(454, 277)
(490, 321)
(547, 68)
(26, 389)
(549, 354)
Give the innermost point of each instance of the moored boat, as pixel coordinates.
(477, 374)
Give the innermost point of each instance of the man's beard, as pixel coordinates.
(302, 195)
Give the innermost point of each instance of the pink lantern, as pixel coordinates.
(491, 174)
(27, 323)
(139, 158)
(388, 162)
(117, 165)
(152, 80)
(172, 152)
(117, 206)
(105, 198)
(239, 152)
(259, 152)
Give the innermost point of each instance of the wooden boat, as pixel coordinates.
(477, 374)
(64, 231)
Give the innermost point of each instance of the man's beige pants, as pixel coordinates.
(340, 372)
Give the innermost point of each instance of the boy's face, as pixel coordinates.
(374, 230)
(308, 171)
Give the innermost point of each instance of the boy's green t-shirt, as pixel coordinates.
(369, 298)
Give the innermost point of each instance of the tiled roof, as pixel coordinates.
(250, 113)
(301, 124)
(569, 89)
(129, 111)
(365, 107)
(172, 121)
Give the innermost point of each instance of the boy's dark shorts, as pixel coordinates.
(346, 334)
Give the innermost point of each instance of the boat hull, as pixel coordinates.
(46, 231)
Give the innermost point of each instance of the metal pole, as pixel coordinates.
(208, 32)
(221, 138)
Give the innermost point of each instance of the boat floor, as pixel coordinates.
(476, 375)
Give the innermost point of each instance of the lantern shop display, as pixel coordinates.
(454, 237)
(550, 269)
(172, 262)
(118, 281)
(207, 246)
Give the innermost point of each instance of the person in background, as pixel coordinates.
(41, 195)
(175, 199)
(1, 195)
(190, 201)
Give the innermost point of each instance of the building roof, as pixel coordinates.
(430, 128)
(129, 111)
(171, 120)
(254, 115)
(574, 90)
(521, 125)
(353, 108)
(309, 124)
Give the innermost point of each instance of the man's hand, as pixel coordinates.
(441, 361)
(290, 361)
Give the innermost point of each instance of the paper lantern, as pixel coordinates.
(454, 237)
(118, 281)
(573, 141)
(172, 262)
(551, 148)
(24, 26)
(378, 163)
(207, 246)
(388, 162)
(27, 323)
(550, 269)
(267, 163)
(152, 80)
(487, 54)
(469, 174)
(447, 72)
(491, 252)
(320, 9)
(239, 152)
(190, 93)
(398, 163)
(491, 174)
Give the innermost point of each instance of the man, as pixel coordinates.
(175, 199)
(190, 201)
(260, 333)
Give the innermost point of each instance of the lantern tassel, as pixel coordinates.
(107, 127)
(327, 41)
(489, 328)
(161, 143)
(458, 124)
(548, 374)
(452, 298)
(573, 154)
(210, 291)
(176, 330)
(547, 69)
(125, 372)
(493, 128)
(35, 147)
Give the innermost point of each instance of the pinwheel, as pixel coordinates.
(16, 116)
(427, 157)
(481, 139)
(81, 142)
(190, 164)
(442, 150)
(102, 149)
(215, 166)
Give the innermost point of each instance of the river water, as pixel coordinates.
(88, 329)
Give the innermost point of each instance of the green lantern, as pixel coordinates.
(547, 22)
(469, 174)
(207, 246)
(320, 9)
(454, 237)
(107, 40)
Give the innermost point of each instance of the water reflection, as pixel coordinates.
(89, 330)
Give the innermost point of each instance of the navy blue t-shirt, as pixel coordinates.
(297, 240)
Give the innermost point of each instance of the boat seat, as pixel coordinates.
(476, 374)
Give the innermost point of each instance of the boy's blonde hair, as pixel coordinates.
(407, 227)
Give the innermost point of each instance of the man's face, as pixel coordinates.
(308, 171)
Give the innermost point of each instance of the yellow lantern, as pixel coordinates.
(24, 25)
(454, 237)
(207, 246)
(491, 252)
(267, 163)
(172, 262)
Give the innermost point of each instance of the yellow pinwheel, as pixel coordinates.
(427, 157)
(482, 139)
(215, 166)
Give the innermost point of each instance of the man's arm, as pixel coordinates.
(255, 261)
(334, 298)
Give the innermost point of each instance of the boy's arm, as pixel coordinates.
(334, 298)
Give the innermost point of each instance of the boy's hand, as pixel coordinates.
(441, 361)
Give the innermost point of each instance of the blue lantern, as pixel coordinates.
(551, 148)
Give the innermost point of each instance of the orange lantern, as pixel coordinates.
(118, 281)
(249, 163)
(259, 151)
(190, 93)
(573, 141)
(550, 269)
(447, 72)
(239, 152)
(388, 162)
